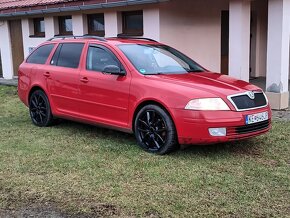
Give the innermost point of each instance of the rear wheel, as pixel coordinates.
(39, 109)
(154, 130)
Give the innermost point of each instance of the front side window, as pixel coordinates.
(65, 25)
(159, 59)
(40, 55)
(67, 55)
(39, 28)
(96, 24)
(133, 23)
(98, 58)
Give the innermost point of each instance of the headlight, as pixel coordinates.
(215, 104)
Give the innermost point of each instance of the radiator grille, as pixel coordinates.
(244, 102)
(251, 128)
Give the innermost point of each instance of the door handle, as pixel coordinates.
(46, 74)
(84, 80)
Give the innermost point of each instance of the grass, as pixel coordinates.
(81, 169)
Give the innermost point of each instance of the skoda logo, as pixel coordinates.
(251, 95)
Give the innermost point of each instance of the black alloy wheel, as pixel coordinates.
(39, 109)
(154, 130)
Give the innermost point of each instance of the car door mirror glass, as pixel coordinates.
(113, 69)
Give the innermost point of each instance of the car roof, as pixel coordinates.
(111, 40)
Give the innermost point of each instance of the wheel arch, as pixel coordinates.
(33, 89)
(148, 102)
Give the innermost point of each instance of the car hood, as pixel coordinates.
(214, 83)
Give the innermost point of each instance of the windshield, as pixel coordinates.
(159, 59)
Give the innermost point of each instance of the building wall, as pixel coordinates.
(194, 27)
(113, 26)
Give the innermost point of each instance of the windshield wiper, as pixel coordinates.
(195, 71)
(150, 74)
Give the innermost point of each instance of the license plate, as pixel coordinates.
(256, 118)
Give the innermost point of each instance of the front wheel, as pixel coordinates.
(154, 130)
(39, 109)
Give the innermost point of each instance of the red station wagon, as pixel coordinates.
(140, 86)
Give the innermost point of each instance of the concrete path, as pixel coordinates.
(8, 82)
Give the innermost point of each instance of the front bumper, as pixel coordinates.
(193, 126)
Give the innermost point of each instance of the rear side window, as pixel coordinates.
(40, 55)
(67, 55)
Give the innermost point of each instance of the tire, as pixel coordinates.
(154, 130)
(39, 109)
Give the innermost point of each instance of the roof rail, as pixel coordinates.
(121, 36)
(78, 37)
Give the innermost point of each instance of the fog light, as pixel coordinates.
(217, 131)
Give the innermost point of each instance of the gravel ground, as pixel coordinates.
(283, 115)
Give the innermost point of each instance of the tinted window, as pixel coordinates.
(133, 23)
(65, 25)
(98, 58)
(39, 27)
(40, 55)
(68, 55)
(96, 24)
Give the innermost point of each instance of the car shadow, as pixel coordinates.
(93, 130)
(246, 147)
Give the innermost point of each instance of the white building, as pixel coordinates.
(242, 38)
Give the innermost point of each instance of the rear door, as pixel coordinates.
(104, 97)
(63, 73)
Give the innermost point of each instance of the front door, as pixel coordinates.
(16, 44)
(104, 97)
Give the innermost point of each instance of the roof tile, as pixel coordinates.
(8, 4)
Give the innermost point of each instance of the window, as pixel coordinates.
(133, 23)
(159, 59)
(40, 55)
(98, 58)
(96, 24)
(65, 25)
(39, 28)
(68, 55)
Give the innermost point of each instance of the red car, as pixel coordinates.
(139, 86)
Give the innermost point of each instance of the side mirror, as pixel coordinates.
(114, 70)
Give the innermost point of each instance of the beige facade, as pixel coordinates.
(242, 38)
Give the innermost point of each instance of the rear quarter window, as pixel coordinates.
(67, 55)
(40, 55)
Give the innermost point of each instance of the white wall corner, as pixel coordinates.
(278, 46)
(113, 23)
(151, 23)
(6, 50)
(239, 39)
(78, 25)
(50, 27)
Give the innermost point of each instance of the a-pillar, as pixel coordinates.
(239, 39)
(278, 53)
